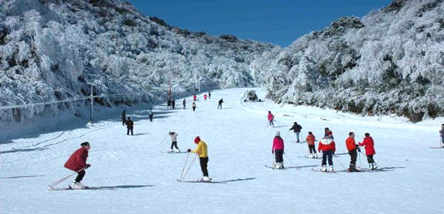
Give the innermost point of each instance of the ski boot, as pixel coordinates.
(324, 168)
(331, 169)
(77, 185)
(206, 179)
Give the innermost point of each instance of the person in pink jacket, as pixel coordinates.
(270, 118)
(278, 151)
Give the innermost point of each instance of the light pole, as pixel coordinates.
(91, 98)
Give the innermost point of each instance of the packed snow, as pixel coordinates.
(135, 174)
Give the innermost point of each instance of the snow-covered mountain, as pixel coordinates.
(389, 62)
(51, 49)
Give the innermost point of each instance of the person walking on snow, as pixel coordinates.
(441, 132)
(77, 163)
(123, 117)
(129, 126)
(278, 151)
(173, 136)
(205, 97)
(219, 104)
(311, 144)
(270, 118)
(151, 116)
(369, 146)
(353, 150)
(202, 151)
(194, 106)
(297, 130)
(184, 103)
(209, 94)
(194, 98)
(328, 148)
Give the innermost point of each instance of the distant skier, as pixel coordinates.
(173, 103)
(328, 133)
(202, 151)
(129, 126)
(194, 98)
(219, 103)
(151, 116)
(369, 146)
(205, 97)
(328, 147)
(123, 117)
(297, 130)
(184, 103)
(77, 163)
(353, 150)
(278, 151)
(270, 118)
(194, 106)
(209, 94)
(169, 103)
(311, 144)
(441, 132)
(173, 136)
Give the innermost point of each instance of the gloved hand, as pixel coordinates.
(359, 149)
(189, 150)
(87, 166)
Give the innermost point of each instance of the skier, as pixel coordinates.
(297, 130)
(441, 132)
(129, 126)
(270, 119)
(209, 94)
(173, 103)
(184, 103)
(169, 103)
(328, 147)
(151, 116)
(202, 151)
(219, 104)
(173, 136)
(205, 97)
(369, 146)
(328, 133)
(311, 144)
(353, 150)
(194, 106)
(194, 98)
(77, 163)
(123, 117)
(278, 151)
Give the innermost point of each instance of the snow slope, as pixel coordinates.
(137, 176)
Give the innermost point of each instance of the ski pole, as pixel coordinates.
(185, 165)
(189, 167)
(64, 179)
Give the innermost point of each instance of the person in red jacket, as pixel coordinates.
(353, 149)
(311, 144)
(278, 151)
(270, 118)
(328, 148)
(369, 146)
(77, 163)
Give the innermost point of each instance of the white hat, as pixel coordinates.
(278, 134)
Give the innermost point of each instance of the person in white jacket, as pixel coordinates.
(173, 136)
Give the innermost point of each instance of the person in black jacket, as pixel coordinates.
(129, 126)
(151, 116)
(123, 117)
(297, 130)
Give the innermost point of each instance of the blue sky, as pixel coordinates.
(275, 21)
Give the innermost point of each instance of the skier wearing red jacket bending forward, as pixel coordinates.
(77, 163)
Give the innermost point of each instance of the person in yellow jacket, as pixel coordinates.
(202, 151)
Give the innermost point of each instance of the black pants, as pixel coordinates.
(80, 176)
(174, 145)
(219, 106)
(130, 130)
(327, 155)
(312, 148)
(279, 156)
(370, 159)
(194, 108)
(353, 156)
(204, 166)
